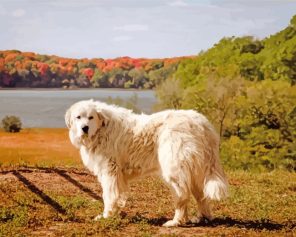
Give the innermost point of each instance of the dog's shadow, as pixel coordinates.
(34, 189)
(46, 198)
(83, 188)
(225, 222)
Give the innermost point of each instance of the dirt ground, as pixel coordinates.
(63, 202)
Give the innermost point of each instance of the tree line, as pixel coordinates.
(28, 69)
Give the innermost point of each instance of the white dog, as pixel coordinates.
(119, 146)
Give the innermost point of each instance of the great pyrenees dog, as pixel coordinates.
(119, 146)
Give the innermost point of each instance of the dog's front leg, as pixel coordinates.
(111, 195)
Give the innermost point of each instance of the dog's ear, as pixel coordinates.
(68, 119)
(103, 117)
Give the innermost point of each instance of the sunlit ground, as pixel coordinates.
(44, 190)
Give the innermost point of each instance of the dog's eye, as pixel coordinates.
(78, 117)
(90, 117)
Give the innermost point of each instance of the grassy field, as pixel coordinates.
(38, 147)
(45, 191)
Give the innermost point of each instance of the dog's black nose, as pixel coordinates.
(85, 129)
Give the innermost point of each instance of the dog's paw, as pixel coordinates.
(200, 220)
(171, 223)
(98, 217)
(195, 220)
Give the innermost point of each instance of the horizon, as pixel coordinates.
(136, 29)
(88, 58)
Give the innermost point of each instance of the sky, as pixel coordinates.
(135, 28)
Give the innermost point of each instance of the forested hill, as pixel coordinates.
(27, 69)
(247, 88)
(272, 58)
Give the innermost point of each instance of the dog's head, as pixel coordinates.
(84, 120)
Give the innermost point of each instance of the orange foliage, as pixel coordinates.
(10, 57)
(88, 72)
(13, 62)
(29, 55)
(2, 63)
(43, 67)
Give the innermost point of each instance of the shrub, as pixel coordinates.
(11, 124)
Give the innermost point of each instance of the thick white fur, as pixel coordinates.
(180, 146)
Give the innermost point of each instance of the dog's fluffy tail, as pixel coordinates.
(216, 186)
(215, 182)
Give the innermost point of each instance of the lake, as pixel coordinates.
(46, 107)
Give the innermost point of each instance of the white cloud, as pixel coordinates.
(178, 3)
(18, 12)
(122, 38)
(132, 27)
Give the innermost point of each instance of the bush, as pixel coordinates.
(11, 124)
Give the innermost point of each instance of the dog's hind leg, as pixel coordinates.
(203, 206)
(175, 176)
(203, 203)
(181, 198)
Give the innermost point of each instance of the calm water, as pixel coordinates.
(46, 108)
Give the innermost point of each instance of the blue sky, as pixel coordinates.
(136, 28)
